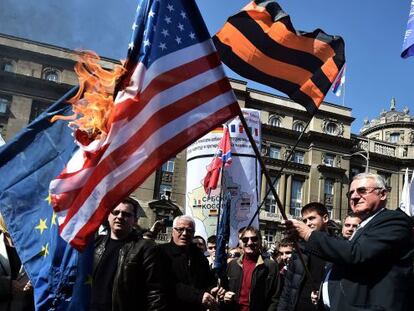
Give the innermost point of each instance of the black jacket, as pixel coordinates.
(264, 289)
(187, 275)
(293, 281)
(137, 281)
(373, 270)
(295, 278)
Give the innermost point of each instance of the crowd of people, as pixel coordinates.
(369, 266)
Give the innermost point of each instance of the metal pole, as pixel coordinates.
(272, 189)
(367, 167)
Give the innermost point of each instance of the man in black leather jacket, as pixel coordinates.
(191, 285)
(126, 272)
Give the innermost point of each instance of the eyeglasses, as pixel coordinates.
(181, 230)
(122, 213)
(362, 191)
(246, 239)
(234, 255)
(211, 247)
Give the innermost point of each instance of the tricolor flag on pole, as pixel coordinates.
(173, 92)
(221, 159)
(261, 44)
(408, 44)
(407, 195)
(339, 84)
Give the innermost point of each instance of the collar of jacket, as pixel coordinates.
(260, 261)
(177, 250)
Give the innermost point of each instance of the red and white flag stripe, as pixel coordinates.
(178, 99)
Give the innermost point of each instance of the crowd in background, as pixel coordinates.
(366, 266)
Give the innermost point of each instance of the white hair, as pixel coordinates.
(184, 217)
(379, 180)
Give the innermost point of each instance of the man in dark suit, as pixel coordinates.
(372, 270)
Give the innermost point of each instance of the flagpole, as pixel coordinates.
(279, 173)
(220, 196)
(343, 96)
(269, 181)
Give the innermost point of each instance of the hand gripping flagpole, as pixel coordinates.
(271, 185)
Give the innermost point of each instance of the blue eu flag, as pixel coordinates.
(60, 275)
(223, 235)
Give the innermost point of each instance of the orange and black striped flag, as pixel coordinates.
(260, 43)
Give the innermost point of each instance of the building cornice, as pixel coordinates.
(388, 125)
(12, 83)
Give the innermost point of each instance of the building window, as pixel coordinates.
(298, 157)
(269, 236)
(274, 152)
(4, 104)
(329, 194)
(296, 198)
(394, 137)
(331, 128)
(51, 74)
(275, 121)
(7, 66)
(168, 166)
(329, 159)
(270, 203)
(329, 186)
(165, 191)
(38, 107)
(298, 126)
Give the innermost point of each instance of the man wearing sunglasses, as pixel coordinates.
(372, 270)
(252, 280)
(126, 273)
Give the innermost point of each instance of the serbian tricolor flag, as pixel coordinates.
(339, 83)
(222, 158)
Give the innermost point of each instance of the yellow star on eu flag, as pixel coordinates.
(54, 216)
(42, 225)
(45, 250)
(48, 199)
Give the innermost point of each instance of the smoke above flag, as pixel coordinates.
(261, 44)
(408, 44)
(221, 159)
(173, 92)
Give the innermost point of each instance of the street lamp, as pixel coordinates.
(365, 155)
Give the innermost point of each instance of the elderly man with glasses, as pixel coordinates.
(190, 283)
(126, 273)
(372, 270)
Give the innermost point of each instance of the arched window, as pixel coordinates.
(274, 121)
(298, 126)
(331, 128)
(51, 74)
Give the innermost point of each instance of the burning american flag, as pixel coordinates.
(173, 91)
